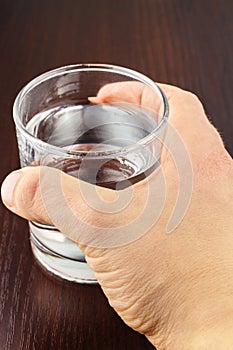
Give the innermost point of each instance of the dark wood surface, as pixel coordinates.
(182, 42)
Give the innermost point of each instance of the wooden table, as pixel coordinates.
(182, 42)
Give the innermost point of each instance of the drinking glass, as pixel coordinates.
(57, 125)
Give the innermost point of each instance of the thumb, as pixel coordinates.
(87, 214)
(29, 192)
(21, 193)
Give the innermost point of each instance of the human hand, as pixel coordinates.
(176, 289)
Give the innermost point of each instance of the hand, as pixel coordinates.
(175, 288)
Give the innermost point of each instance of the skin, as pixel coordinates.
(176, 288)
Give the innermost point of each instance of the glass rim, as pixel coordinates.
(89, 67)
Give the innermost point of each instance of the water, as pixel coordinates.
(101, 134)
(96, 129)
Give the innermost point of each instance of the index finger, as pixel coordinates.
(186, 113)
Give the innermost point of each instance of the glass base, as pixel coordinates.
(63, 267)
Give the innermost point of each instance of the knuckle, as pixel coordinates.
(191, 97)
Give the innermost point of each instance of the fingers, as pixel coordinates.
(183, 104)
(131, 92)
(186, 113)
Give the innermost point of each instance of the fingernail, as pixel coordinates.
(93, 99)
(8, 187)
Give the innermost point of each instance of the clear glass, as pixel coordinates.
(58, 126)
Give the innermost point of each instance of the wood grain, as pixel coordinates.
(186, 43)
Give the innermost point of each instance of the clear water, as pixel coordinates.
(96, 129)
